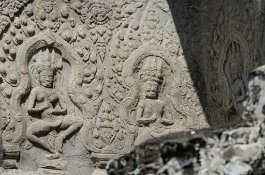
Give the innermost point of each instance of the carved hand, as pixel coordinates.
(38, 110)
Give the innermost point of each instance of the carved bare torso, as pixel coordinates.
(47, 105)
(44, 101)
(152, 108)
(52, 99)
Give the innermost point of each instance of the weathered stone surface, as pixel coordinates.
(85, 81)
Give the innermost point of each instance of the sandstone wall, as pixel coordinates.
(84, 81)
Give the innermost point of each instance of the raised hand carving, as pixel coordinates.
(234, 72)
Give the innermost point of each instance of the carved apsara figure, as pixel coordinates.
(150, 109)
(238, 90)
(46, 105)
(234, 70)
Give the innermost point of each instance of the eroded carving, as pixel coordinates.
(151, 110)
(47, 15)
(232, 54)
(46, 105)
(238, 91)
(91, 79)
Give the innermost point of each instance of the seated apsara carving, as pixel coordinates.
(151, 109)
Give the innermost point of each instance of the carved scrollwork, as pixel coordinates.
(101, 18)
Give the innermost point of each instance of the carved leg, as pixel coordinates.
(40, 142)
(38, 128)
(63, 134)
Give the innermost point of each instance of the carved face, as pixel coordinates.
(48, 6)
(46, 78)
(100, 12)
(151, 89)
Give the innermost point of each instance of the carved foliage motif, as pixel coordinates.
(106, 74)
(8, 9)
(102, 18)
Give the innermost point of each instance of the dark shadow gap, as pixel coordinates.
(187, 16)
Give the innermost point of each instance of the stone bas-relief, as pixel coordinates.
(150, 112)
(87, 80)
(42, 102)
(231, 150)
(232, 52)
(83, 82)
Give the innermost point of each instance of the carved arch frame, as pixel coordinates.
(236, 37)
(44, 39)
(149, 49)
(146, 50)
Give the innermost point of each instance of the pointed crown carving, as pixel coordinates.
(152, 70)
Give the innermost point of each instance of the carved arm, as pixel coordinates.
(139, 112)
(31, 104)
(141, 119)
(63, 110)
